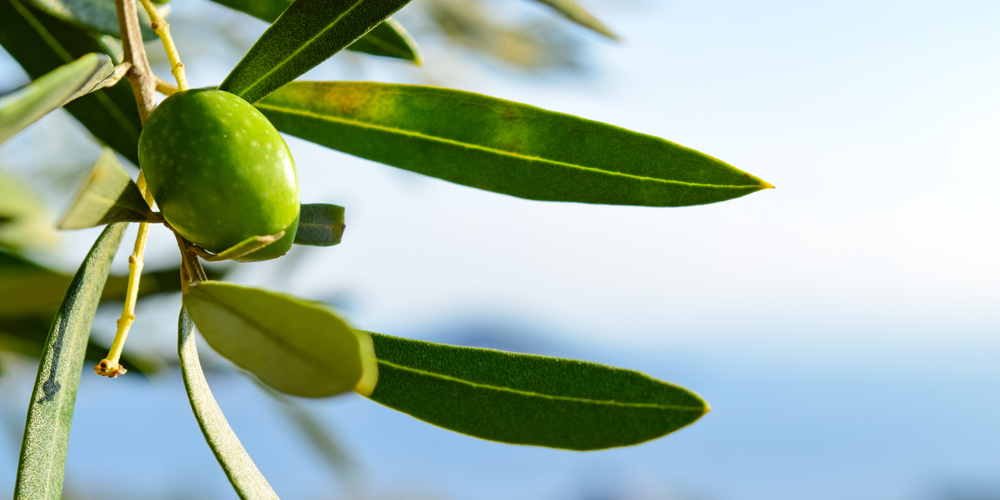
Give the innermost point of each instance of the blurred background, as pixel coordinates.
(844, 326)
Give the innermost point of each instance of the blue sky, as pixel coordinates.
(844, 325)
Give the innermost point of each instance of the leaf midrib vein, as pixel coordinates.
(300, 49)
(498, 152)
(533, 394)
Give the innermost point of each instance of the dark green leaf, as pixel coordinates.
(526, 399)
(306, 34)
(98, 15)
(578, 15)
(502, 146)
(41, 43)
(50, 413)
(246, 479)
(388, 39)
(37, 99)
(320, 225)
(108, 196)
(293, 345)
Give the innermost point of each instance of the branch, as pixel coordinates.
(140, 75)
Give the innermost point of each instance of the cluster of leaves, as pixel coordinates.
(303, 348)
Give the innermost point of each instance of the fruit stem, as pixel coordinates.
(109, 366)
(162, 28)
(191, 271)
(165, 87)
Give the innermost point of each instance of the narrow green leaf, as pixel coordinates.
(502, 146)
(572, 11)
(40, 97)
(28, 289)
(108, 196)
(246, 479)
(247, 246)
(295, 346)
(26, 335)
(41, 43)
(97, 15)
(526, 399)
(306, 34)
(388, 39)
(50, 413)
(320, 225)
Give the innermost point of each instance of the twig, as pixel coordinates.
(162, 28)
(144, 83)
(165, 87)
(139, 75)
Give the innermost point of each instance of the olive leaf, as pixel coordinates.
(41, 43)
(572, 11)
(245, 247)
(107, 196)
(320, 225)
(26, 335)
(527, 399)
(243, 474)
(50, 412)
(97, 15)
(307, 33)
(40, 97)
(295, 346)
(502, 146)
(28, 289)
(388, 39)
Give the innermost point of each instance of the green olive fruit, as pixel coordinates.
(220, 172)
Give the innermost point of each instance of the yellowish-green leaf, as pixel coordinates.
(526, 399)
(320, 225)
(25, 221)
(572, 11)
(243, 474)
(502, 146)
(40, 97)
(108, 196)
(295, 346)
(50, 411)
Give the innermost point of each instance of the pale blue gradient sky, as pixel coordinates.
(843, 326)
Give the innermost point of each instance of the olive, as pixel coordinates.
(220, 172)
